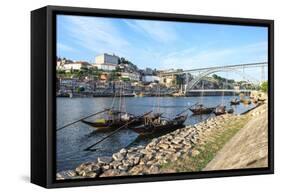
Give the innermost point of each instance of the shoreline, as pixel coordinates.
(182, 150)
(132, 96)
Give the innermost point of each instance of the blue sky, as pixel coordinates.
(160, 44)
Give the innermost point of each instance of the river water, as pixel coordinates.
(72, 140)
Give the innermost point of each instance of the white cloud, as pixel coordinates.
(197, 57)
(64, 47)
(157, 30)
(97, 35)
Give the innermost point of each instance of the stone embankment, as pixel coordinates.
(186, 149)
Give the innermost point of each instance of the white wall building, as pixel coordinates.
(75, 66)
(132, 76)
(107, 59)
(106, 62)
(150, 78)
(107, 67)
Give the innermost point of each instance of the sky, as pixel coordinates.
(161, 44)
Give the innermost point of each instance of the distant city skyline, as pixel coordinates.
(161, 44)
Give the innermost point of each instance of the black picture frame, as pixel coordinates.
(43, 103)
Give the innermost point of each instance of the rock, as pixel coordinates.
(92, 174)
(159, 155)
(105, 167)
(104, 160)
(186, 142)
(193, 152)
(81, 167)
(187, 147)
(151, 162)
(172, 150)
(140, 147)
(176, 141)
(118, 156)
(138, 170)
(85, 168)
(110, 173)
(153, 143)
(128, 163)
(133, 155)
(164, 146)
(132, 149)
(177, 147)
(123, 151)
(115, 164)
(143, 160)
(169, 137)
(88, 169)
(123, 168)
(193, 141)
(143, 151)
(154, 169)
(136, 160)
(150, 156)
(67, 174)
(95, 168)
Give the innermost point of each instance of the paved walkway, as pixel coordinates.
(248, 148)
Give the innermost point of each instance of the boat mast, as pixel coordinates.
(222, 99)
(158, 99)
(202, 92)
(123, 108)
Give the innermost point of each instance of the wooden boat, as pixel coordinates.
(230, 110)
(200, 109)
(159, 125)
(219, 110)
(234, 102)
(261, 99)
(115, 119)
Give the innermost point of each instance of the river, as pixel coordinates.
(72, 140)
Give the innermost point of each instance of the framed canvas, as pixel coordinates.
(126, 96)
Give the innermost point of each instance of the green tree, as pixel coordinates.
(264, 86)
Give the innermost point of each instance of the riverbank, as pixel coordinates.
(248, 148)
(187, 149)
(189, 94)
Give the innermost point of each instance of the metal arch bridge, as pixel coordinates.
(203, 72)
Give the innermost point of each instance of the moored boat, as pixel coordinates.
(159, 125)
(230, 110)
(219, 110)
(234, 101)
(200, 109)
(114, 120)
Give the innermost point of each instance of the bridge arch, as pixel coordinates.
(198, 78)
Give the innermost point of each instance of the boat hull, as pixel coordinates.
(234, 102)
(147, 130)
(111, 126)
(220, 110)
(202, 111)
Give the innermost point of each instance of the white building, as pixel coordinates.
(107, 67)
(106, 62)
(132, 76)
(150, 78)
(75, 66)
